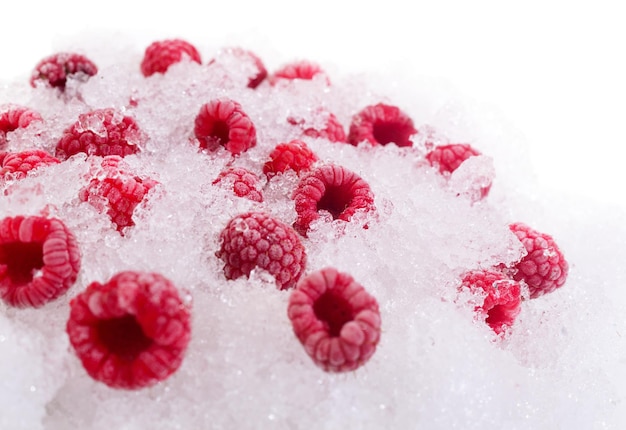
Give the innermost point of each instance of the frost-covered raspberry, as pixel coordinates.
(243, 182)
(336, 320)
(294, 155)
(130, 332)
(260, 72)
(101, 132)
(56, 69)
(13, 117)
(160, 55)
(39, 260)
(332, 190)
(17, 165)
(544, 268)
(333, 130)
(222, 122)
(256, 240)
(381, 124)
(305, 70)
(502, 297)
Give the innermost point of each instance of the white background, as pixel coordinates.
(555, 69)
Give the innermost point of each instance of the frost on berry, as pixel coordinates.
(304, 70)
(130, 332)
(381, 124)
(294, 155)
(336, 320)
(39, 260)
(332, 130)
(258, 71)
(243, 182)
(101, 132)
(501, 298)
(256, 240)
(332, 191)
(17, 165)
(55, 70)
(222, 122)
(544, 268)
(160, 55)
(13, 117)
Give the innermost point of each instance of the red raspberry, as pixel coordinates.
(223, 122)
(336, 320)
(381, 124)
(294, 155)
(502, 302)
(17, 165)
(332, 189)
(39, 260)
(261, 71)
(55, 70)
(333, 130)
(130, 332)
(118, 192)
(101, 132)
(13, 117)
(298, 70)
(544, 268)
(255, 239)
(244, 183)
(159, 56)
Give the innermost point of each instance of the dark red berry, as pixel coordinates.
(160, 55)
(294, 155)
(130, 332)
(39, 260)
(56, 69)
(260, 72)
(243, 182)
(222, 122)
(448, 158)
(13, 117)
(305, 70)
(333, 130)
(336, 320)
(17, 165)
(381, 124)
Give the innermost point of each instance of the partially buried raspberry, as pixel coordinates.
(222, 122)
(333, 191)
(160, 55)
(101, 132)
(381, 124)
(17, 165)
(336, 320)
(544, 268)
(333, 130)
(130, 332)
(294, 155)
(243, 182)
(13, 117)
(39, 260)
(256, 240)
(304, 70)
(56, 69)
(260, 72)
(502, 299)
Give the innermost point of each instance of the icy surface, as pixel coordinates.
(435, 367)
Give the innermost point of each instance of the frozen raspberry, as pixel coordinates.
(17, 165)
(330, 189)
(39, 260)
(333, 130)
(294, 155)
(255, 239)
(13, 117)
(244, 183)
(336, 320)
(381, 124)
(116, 191)
(544, 268)
(159, 56)
(101, 132)
(130, 332)
(55, 70)
(502, 302)
(222, 122)
(299, 70)
(448, 158)
(260, 72)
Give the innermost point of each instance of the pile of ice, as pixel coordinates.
(435, 366)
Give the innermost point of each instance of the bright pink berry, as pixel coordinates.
(55, 70)
(39, 260)
(256, 240)
(243, 182)
(130, 332)
(381, 124)
(13, 117)
(330, 189)
(544, 268)
(101, 132)
(222, 122)
(245, 55)
(503, 297)
(17, 165)
(305, 70)
(160, 55)
(294, 155)
(336, 320)
(333, 130)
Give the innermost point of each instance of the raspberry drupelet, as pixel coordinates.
(39, 260)
(222, 122)
(333, 130)
(243, 182)
(381, 124)
(256, 240)
(160, 55)
(13, 117)
(304, 70)
(130, 332)
(294, 155)
(336, 320)
(56, 69)
(17, 165)
(260, 72)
